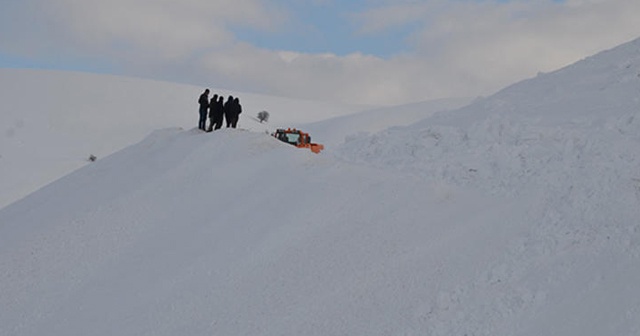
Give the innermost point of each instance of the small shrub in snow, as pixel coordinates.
(263, 116)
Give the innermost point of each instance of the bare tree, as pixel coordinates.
(263, 116)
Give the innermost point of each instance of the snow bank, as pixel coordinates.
(237, 233)
(570, 140)
(51, 122)
(516, 215)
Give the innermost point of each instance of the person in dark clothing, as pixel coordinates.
(204, 107)
(214, 100)
(237, 109)
(228, 111)
(216, 112)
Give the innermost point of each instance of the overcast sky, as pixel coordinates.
(357, 51)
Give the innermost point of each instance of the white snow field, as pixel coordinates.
(51, 121)
(58, 119)
(518, 214)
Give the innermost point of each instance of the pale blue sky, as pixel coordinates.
(330, 28)
(361, 51)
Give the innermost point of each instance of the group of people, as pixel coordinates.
(218, 111)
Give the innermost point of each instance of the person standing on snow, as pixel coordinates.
(204, 107)
(237, 109)
(212, 103)
(228, 111)
(216, 112)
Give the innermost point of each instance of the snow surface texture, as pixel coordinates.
(52, 122)
(58, 119)
(516, 215)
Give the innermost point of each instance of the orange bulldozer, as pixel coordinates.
(297, 138)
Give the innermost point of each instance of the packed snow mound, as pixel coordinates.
(546, 131)
(334, 131)
(571, 141)
(235, 232)
(516, 215)
(51, 122)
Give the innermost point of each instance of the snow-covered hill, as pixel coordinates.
(51, 122)
(568, 141)
(516, 215)
(231, 233)
(579, 120)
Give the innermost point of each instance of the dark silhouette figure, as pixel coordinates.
(228, 111)
(213, 101)
(237, 109)
(216, 112)
(204, 107)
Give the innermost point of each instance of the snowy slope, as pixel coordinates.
(571, 140)
(51, 122)
(234, 233)
(334, 131)
(581, 119)
(516, 215)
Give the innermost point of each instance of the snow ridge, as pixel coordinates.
(569, 141)
(515, 215)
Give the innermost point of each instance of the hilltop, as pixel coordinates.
(52, 121)
(515, 215)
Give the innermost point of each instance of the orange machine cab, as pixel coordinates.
(297, 138)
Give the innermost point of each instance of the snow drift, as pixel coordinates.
(569, 140)
(51, 121)
(516, 215)
(228, 233)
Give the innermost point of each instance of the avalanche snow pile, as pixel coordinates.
(571, 135)
(82, 114)
(517, 215)
(236, 233)
(571, 141)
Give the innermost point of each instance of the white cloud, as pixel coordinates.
(473, 48)
(168, 29)
(461, 48)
